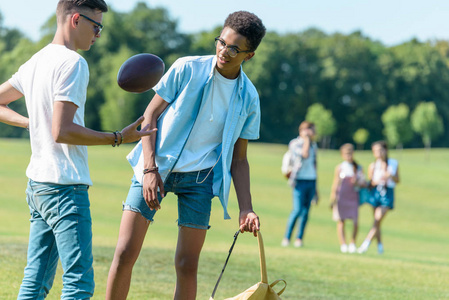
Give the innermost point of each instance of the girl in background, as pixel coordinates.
(384, 175)
(348, 179)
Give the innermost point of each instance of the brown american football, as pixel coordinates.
(140, 72)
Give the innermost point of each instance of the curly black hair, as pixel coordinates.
(247, 24)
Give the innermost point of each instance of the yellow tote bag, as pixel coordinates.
(261, 290)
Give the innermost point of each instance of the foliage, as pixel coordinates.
(355, 78)
(142, 30)
(397, 126)
(427, 122)
(360, 137)
(323, 120)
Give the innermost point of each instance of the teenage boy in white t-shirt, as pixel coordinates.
(206, 109)
(54, 83)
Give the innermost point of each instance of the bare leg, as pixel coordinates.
(379, 214)
(355, 230)
(133, 228)
(190, 243)
(341, 232)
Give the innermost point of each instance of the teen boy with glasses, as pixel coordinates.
(54, 83)
(206, 109)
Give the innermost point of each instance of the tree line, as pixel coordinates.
(358, 84)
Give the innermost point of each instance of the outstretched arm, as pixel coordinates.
(64, 130)
(8, 116)
(248, 219)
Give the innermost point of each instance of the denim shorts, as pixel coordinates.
(382, 197)
(194, 192)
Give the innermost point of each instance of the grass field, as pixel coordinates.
(415, 264)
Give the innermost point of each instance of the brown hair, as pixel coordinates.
(347, 146)
(306, 125)
(384, 145)
(350, 147)
(66, 7)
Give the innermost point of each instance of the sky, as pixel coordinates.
(391, 22)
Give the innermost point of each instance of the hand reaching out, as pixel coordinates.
(131, 134)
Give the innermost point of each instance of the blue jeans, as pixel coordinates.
(60, 228)
(303, 194)
(194, 192)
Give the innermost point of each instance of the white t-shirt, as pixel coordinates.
(55, 73)
(207, 133)
(378, 171)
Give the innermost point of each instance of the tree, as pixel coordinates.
(143, 30)
(360, 137)
(427, 122)
(324, 122)
(397, 128)
(15, 49)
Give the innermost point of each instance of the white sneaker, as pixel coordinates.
(298, 243)
(363, 248)
(344, 248)
(285, 242)
(380, 249)
(352, 248)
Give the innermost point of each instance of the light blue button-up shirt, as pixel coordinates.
(184, 86)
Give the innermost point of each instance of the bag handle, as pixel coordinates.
(263, 265)
(224, 267)
(276, 282)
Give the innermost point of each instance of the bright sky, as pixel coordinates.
(389, 21)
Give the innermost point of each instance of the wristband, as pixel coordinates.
(115, 139)
(121, 138)
(154, 169)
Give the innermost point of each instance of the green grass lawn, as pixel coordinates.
(415, 264)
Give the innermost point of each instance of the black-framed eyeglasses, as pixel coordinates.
(232, 50)
(98, 27)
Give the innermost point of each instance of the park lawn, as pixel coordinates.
(415, 264)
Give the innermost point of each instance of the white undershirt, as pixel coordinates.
(207, 133)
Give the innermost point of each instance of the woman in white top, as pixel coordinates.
(384, 175)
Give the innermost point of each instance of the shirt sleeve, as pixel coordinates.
(15, 81)
(251, 128)
(71, 84)
(171, 83)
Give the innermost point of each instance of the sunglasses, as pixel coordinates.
(98, 27)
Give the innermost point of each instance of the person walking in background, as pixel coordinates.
(206, 110)
(300, 168)
(54, 82)
(348, 179)
(383, 174)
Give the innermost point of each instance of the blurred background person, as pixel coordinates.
(300, 167)
(383, 174)
(348, 179)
